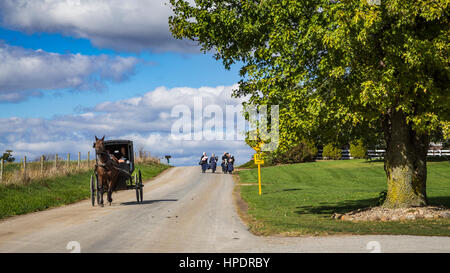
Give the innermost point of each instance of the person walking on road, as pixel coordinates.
(224, 162)
(213, 163)
(204, 162)
(230, 165)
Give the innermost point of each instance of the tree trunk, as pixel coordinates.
(405, 163)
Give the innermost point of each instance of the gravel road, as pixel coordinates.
(183, 211)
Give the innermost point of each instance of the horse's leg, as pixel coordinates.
(110, 195)
(110, 189)
(101, 190)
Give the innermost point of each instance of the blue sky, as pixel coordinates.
(170, 69)
(63, 60)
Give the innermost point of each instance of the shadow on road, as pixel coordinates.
(148, 202)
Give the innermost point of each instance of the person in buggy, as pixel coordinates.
(213, 163)
(204, 162)
(230, 165)
(122, 158)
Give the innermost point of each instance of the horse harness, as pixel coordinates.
(105, 165)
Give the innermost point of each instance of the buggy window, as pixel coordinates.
(116, 150)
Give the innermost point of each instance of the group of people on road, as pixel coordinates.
(227, 163)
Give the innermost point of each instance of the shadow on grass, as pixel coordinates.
(148, 202)
(278, 191)
(351, 205)
(439, 201)
(297, 189)
(341, 207)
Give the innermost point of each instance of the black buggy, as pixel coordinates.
(126, 180)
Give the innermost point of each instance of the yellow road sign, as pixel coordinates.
(258, 146)
(258, 159)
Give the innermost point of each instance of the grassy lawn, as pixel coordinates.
(52, 192)
(299, 199)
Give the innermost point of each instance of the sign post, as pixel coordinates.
(258, 161)
(259, 178)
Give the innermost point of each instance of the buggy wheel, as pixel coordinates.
(98, 189)
(141, 186)
(136, 186)
(93, 190)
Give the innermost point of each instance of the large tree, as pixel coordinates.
(378, 63)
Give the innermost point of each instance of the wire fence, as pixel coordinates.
(46, 166)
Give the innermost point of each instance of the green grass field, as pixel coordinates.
(52, 192)
(299, 199)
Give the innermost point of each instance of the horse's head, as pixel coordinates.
(99, 145)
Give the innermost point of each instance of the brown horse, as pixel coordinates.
(107, 169)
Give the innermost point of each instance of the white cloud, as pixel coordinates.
(25, 72)
(131, 25)
(145, 120)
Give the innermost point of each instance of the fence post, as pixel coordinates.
(25, 168)
(42, 165)
(68, 162)
(1, 170)
(56, 161)
(79, 160)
